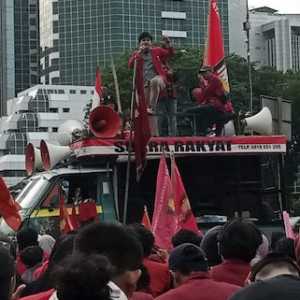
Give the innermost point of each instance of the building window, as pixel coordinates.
(66, 109)
(61, 91)
(72, 91)
(53, 109)
(54, 129)
(43, 129)
(83, 92)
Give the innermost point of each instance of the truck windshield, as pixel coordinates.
(32, 192)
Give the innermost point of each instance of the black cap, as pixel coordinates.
(188, 257)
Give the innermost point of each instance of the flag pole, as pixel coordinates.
(116, 85)
(133, 95)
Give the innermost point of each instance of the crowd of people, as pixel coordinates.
(103, 261)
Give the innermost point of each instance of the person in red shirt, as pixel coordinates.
(213, 105)
(190, 268)
(150, 64)
(160, 277)
(238, 243)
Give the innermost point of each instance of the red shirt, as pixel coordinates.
(160, 277)
(159, 56)
(231, 271)
(200, 287)
(212, 93)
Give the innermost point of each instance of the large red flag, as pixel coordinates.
(214, 54)
(65, 220)
(146, 220)
(142, 131)
(9, 209)
(164, 221)
(186, 218)
(98, 93)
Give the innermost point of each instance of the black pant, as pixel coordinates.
(207, 115)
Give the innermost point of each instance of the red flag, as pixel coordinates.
(142, 131)
(164, 221)
(65, 220)
(146, 220)
(9, 209)
(214, 53)
(288, 226)
(186, 218)
(98, 95)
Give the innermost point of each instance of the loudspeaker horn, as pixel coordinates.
(104, 122)
(52, 154)
(261, 122)
(33, 160)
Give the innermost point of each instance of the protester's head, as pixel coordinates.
(185, 236)
(82, 276)
(31, 256)
(272, 265)
(145, 236)
(205, 71)
(185, 260)
(27, 237)
(286, 246)
(209, 244)
(145, 40)
(7, 274)
(120, 245)
(277, 288)
(239, 239)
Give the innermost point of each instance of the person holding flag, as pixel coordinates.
(212, 95)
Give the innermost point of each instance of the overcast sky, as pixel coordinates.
(283, 6)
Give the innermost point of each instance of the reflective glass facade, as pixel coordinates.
(77, 35)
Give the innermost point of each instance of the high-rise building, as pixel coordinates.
(77, 35)
(274, 37)
(19, 59)
(35, 114)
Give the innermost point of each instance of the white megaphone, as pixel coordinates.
(261, 122)
(68, 130)
(33, 159)
(52, 154)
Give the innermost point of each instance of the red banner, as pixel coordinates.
(9, 209)
(186, 218)
(214, 53)
(164, 221)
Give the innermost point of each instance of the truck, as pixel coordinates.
(225, 177)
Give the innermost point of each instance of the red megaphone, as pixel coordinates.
(104, 122)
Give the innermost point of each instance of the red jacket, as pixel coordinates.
(141, 296)
(213, 93)
(200, 287)
(160, 277)
(159, 57)
(231, 271)
(40, 296)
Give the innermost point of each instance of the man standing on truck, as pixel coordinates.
(150, 62)
(214, 107)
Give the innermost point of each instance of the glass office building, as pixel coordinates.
(19, 59)
(77, 35)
